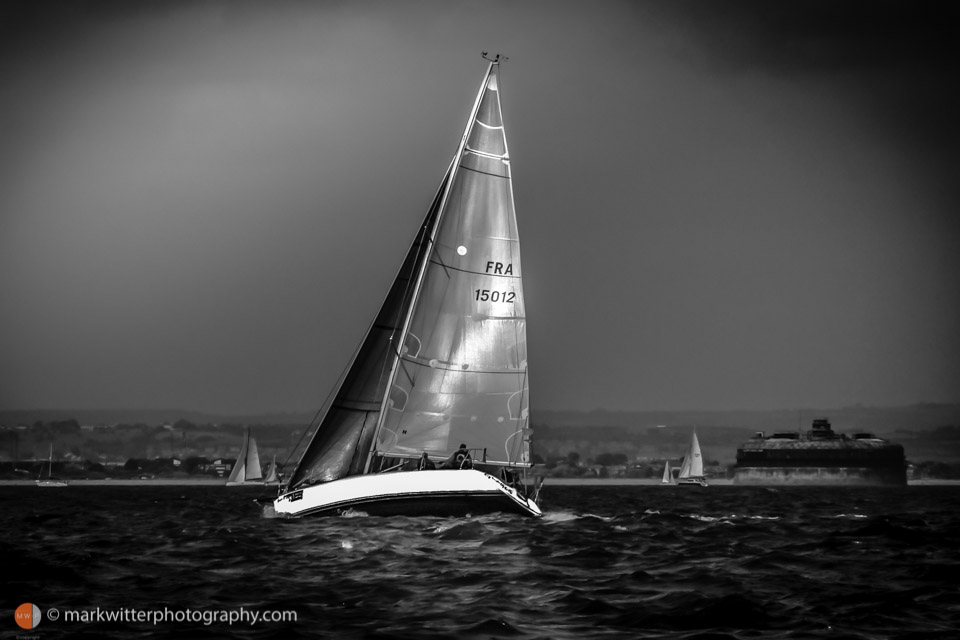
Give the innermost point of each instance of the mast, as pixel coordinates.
(422, 267)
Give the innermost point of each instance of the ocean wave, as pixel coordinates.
(603, 562)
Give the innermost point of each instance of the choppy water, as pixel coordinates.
(604, 562)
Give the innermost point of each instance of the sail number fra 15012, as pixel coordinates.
(485, 295)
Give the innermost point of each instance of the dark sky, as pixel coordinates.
(721, 204)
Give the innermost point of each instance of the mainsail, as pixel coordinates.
(449, 342)
(247, 467)
(462, 373)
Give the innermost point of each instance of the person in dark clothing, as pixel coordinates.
(425, 463)
(459, 459)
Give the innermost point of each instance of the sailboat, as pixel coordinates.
(246, 470)
(272, 478)
(49, 481)
(667, 478)
(691, 471)
(444, 362)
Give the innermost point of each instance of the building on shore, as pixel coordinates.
(820, 456)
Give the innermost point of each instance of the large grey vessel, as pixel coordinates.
(820, 456)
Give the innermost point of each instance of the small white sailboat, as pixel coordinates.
(667, 477)
(443, 363)
(691, 471)
(246, 470)
(272, 478)
(49, 481)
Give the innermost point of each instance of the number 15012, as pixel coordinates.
(485, 295)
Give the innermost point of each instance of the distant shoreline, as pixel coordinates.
(131, 482)
(634, 482)
(548, 482)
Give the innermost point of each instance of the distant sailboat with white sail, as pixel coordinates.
(272, 478)
(246, 470)
(443, 363)
(667, 477)
(691, 471)
(49, 481)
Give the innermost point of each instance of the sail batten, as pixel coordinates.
(478, 273)
(486, 173)
(485, 154)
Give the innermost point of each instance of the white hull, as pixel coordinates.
(702, 482)
(51, 483)
(247, 483)
(445, 492)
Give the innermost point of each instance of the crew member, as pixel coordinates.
(425, 463)
(459, 459)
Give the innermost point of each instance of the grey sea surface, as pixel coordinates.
(607, 561)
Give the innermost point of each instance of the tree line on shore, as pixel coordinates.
(187, 448)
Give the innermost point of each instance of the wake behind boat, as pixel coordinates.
(444, 361)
